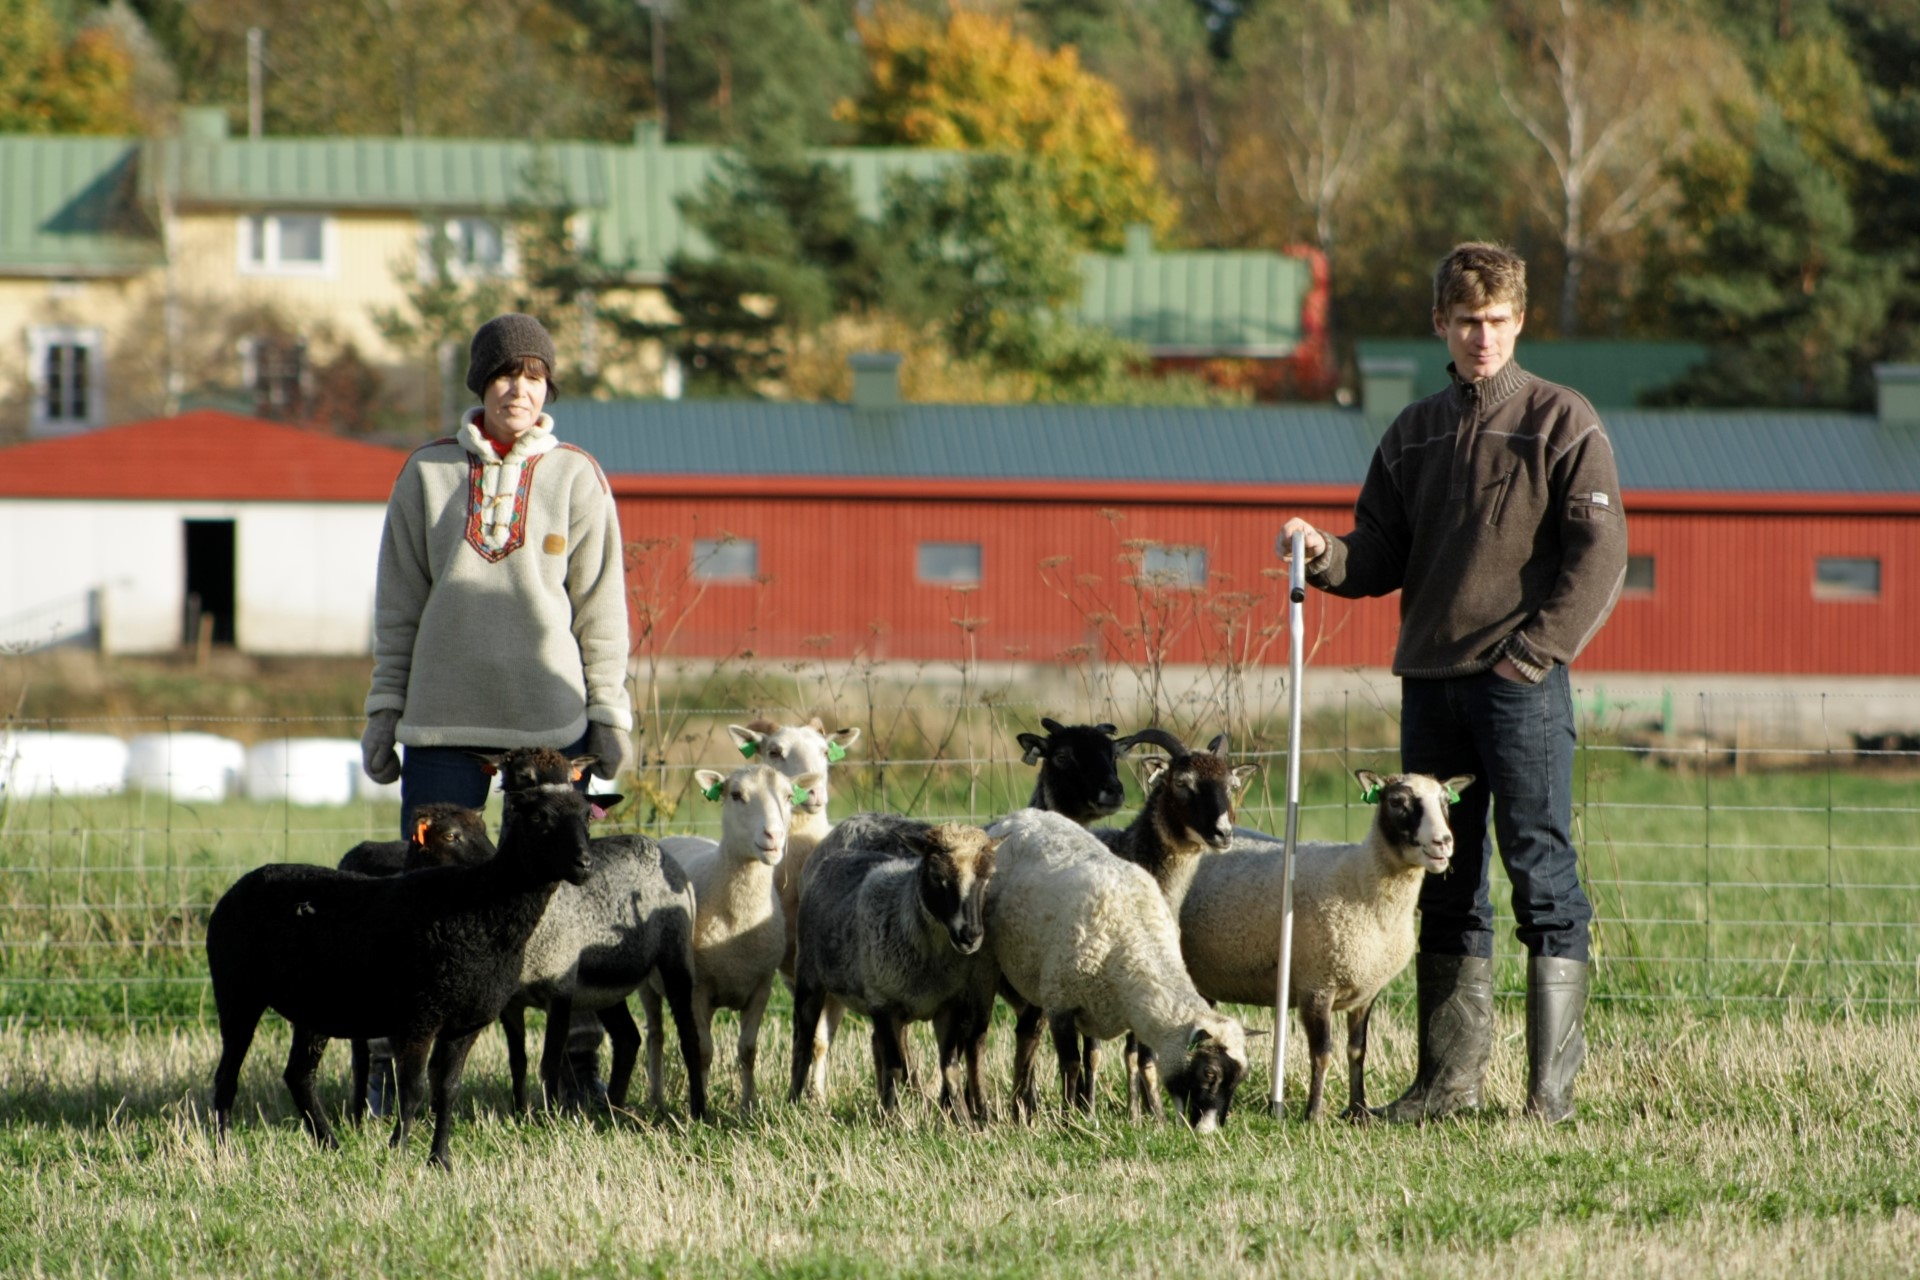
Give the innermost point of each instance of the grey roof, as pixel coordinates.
(1609, 372)
(1726, 452)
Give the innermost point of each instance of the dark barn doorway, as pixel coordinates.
(210, 599)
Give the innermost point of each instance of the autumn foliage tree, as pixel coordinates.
(973, 83)
(58, 81)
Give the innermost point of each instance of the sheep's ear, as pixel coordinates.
(744, 738)
(1152, 767)
(709, 780)
(1454, 786)
(602, 805)
(580, 764)
(842, 738)
(1254, 1033)
(1241, 773)
(1371, 785)
(1107, 729)
(1036, 746)
(1218, 747)
(1051, 726)
(1199, 1037)
(490, 761)
(811, 781)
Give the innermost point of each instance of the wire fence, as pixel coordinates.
(1741, 848)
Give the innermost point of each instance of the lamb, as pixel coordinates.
(892, 924)
(631, 917)
(1188, 811)
(1353, 929)
(444, 835)
(1079, 774)
(740, 929)
(426, 959)
(1090, 938)
(796, 749)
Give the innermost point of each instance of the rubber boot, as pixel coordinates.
(1556, 1042)
(383, 1087)
(1455, 995)
(584, 1089)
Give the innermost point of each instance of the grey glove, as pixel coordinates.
(377, 755)
(613, 748)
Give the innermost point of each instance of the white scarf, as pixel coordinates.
(500, 476)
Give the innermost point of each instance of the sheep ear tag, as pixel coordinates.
(1453, 797)
(748, 747)
(420, 830)
(835, 752)
(801, 795)
(712, 792)
(1372, 795)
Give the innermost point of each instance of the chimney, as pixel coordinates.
(1897, 392)
(876, 380)
(1386, 385)
(1139, 240)
(646, 134)
(203, 124)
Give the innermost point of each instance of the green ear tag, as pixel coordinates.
(748, 747)
(1453, 797)
(835, 752)
(1371, 795)
(712, 792)
(801, 795)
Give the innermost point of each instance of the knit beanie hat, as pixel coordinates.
(503, 338)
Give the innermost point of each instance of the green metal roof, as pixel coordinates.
(1610, 374)
(1683, 451)
(1202, 304)
(68, 208)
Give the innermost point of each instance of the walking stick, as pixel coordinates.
(1296, 624)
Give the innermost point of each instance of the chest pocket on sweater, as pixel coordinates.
(1497, 494)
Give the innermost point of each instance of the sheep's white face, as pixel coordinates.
(756, 808)
(796, 749)
(1413, 814)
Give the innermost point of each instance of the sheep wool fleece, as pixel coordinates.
(500, 614)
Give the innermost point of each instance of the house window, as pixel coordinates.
(274, 370)
(1846, 578)
(1174, 566)
(68, 379)
(725, 559)
(287, 244)
(947, 562)
(1639, 576)
(469, 246)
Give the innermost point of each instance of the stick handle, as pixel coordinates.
(1296, 663)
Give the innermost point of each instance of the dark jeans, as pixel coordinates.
(1517, 740)
(450, 775)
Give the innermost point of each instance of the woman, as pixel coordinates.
(500, 609)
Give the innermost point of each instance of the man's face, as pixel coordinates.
(1480, 339)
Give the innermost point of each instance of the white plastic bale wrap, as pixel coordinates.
(186, 766)
(38, 762)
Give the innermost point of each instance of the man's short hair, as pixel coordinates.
(1477, 274)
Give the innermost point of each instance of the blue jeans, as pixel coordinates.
(1517, 740)
(450, 775)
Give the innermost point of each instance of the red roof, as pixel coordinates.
(206, 454)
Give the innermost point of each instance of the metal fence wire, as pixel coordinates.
(1740, 848)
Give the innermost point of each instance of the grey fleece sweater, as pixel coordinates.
(500, 606)
(1494, 508)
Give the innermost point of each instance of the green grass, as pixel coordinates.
(1715, 1145)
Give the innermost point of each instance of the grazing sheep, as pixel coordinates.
(740, 930)
(426, 959)
(629, 919)
(1079, 775)
(1090, 939)
(892, 921)
(444, 835)
(796, 749)
(1353, 908)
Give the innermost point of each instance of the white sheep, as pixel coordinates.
(796, 749)
(739, 928)
(1353, 908)
(1090, 939)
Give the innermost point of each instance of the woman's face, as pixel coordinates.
(513, 403)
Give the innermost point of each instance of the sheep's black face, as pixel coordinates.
(1205, 1083)
(550, 823)
(1079, 770)
(953, 893)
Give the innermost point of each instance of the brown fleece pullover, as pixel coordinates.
(1494, 508)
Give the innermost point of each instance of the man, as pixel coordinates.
(1494, 509)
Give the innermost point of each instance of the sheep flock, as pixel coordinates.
(1095, 932)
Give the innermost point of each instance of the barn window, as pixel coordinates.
(947, 562)
(1164, 566)
(1639, 576)
(725, 559)
(1846, 578)
(67, 379)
